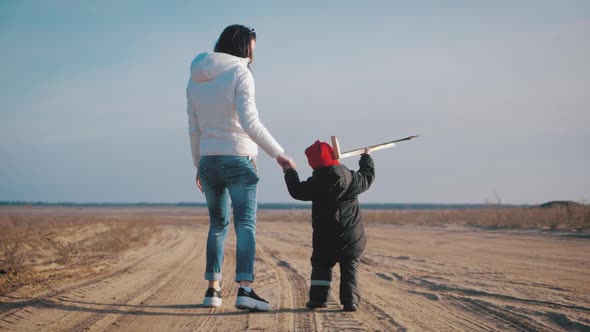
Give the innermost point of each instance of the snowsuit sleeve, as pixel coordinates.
(300, 190)
(362, 179)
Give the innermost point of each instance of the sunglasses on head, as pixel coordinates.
(252, 33)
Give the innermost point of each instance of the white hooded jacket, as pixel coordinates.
(221, 107)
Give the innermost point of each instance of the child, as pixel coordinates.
(338, 232)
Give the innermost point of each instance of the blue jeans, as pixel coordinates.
(224, 178)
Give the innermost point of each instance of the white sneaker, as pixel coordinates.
(212, 298)
(251, 301)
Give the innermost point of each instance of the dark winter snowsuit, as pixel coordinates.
(338, 231)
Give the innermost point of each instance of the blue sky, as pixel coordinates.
(92, 95)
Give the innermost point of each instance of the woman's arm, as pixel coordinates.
(194, 131)
(248, 116)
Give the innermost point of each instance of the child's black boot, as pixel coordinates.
(350, 307)
(318, 296)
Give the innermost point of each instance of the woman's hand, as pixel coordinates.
(198, 181)
(286, 162)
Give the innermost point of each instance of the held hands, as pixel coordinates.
(286, 162)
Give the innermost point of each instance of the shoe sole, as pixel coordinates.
(211, 302)
(248, 303)
(351, 309)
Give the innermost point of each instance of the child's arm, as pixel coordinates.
(300, 190)
(362, 179)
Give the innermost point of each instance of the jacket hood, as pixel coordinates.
(207, 66)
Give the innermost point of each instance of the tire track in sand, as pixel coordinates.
(177, 299)
(129, 290)
(35, 309)
(292, 313)
(221, 318)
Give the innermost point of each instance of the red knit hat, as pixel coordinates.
(320, 154)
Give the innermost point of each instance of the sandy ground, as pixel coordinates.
(413, 279)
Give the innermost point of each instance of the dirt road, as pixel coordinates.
(413, 279)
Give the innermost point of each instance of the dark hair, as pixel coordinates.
(235, 40)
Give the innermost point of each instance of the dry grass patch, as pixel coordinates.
(575, 218)
(570, 218)
(38, 248)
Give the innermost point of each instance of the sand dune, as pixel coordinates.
(413, 279)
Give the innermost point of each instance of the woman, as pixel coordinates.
(225, 133)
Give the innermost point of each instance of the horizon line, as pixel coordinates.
(270, 205)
